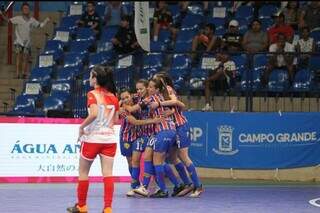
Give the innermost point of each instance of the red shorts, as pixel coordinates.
(89, 151)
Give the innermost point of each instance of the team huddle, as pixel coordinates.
(153, 124)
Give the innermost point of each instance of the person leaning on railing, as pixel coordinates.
(23, 27)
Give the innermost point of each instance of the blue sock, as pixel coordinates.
(159, 169)
(148, 172)
(169, 173)
(193, 174)
(182, 173)
(135, 177)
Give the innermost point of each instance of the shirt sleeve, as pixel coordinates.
(91, 99)
(116, 104)
(15, 20)
(34, 23)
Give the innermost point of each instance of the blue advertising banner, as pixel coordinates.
(254, 140)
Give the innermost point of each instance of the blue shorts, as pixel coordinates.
(183, 136)
(164, 140)
(140, 144)
(126, 148)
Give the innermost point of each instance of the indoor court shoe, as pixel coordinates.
(141, 190)
(78, 209)
(107, 210)
(130, 193)
(160, 194)
(187, 189)
(177, 190)
(196, 192)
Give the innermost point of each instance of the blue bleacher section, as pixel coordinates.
(74, 56)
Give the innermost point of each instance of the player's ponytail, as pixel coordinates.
(104, 77)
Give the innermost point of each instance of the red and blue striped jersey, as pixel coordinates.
(128, 132)
(178, 116)
(168, 123)
(143, 114)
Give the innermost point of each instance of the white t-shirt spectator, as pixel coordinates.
(280, 59)
(306, 46)
(23, 29)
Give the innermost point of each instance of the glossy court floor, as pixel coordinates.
(218, 197)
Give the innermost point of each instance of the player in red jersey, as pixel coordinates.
(98, 137)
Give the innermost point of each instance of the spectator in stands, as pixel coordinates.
(255, 39)
(23, 26)
(125, 40)
(113, 13)
(291, 14)
(232, 40)
(280, 60)
(223, 69)
(183, 11)
(206, 40)
(91, 19)
(310, 16)
(162, 19)
(306, 45)
(280, 27)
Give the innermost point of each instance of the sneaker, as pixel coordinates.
(141, 190)
(107, 210)
(207, 107)
(196, 192)
(177, 190)
(78, 209)
(130, 193)
(187, 189)
(160, 194)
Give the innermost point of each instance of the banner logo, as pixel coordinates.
(225, 141)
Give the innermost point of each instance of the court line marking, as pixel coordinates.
(314, 202)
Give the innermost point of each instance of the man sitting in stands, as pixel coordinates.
(279, 60)
(223, 69)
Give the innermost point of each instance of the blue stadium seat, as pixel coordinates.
(219, 23)
(192, 22)
(241, 64)
(315, 34)
(246, 80)
(69, 22)
(149, 72)
(67, 73)
(157, 46)
(104, 46)
(24, 104)
(123, 77)
(99, 58)
(85, 34)
(109, 32)
(164, 36)
(278, 81)
(55, 48)
(152, 60)
(100, 8)
(129, 7)
(267, 10)
(243, 25)
(73, 59)
(181, 61)
(302, 81)
(81, 47)
(61, 90)
(314, 63)
(179, 79)
(186, 35)
(183, 46)
(195, 9)
(41, 75)
(259, 62)
(245, 12)
(52, 103)
(266, 23)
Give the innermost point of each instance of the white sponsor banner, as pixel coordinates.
(141, 24)
(46, 150)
